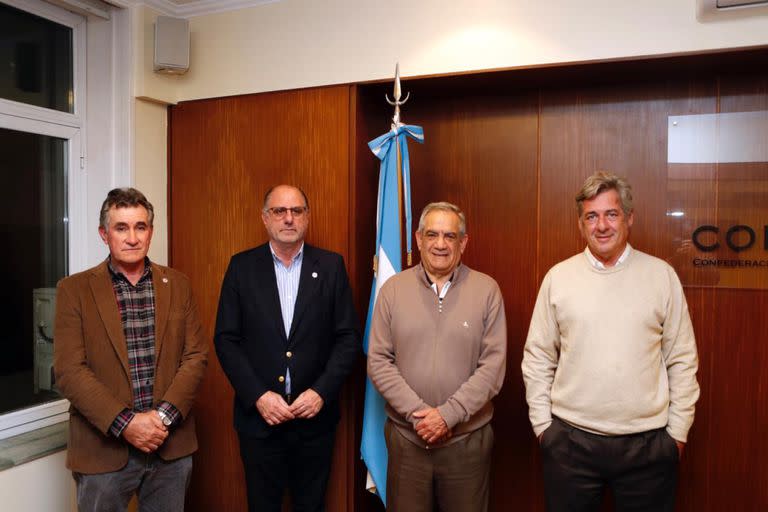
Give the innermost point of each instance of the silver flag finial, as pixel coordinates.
(398, 90)
(397, 94)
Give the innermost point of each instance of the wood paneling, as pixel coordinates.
(725, 468)
(367, 124)
(480, 153)
(511, 148)
(225, 154)
(619, 128)
(514, 159)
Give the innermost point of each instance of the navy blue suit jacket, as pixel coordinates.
(250, 340)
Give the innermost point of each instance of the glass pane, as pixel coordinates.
(718, 198)
(34, 232)
(35, 60)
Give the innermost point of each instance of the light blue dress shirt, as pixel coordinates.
(288, 289)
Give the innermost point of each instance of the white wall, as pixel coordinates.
(107, 117)
(38, 486)
(302, 43)
(150, 174)
(147, 83)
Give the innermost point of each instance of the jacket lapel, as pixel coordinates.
(162, 289)
(267, 282)
(106, 303)
(310, 276)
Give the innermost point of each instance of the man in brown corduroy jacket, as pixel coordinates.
(129, 356)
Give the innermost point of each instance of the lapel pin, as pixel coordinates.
(314, 275)
(165, 279)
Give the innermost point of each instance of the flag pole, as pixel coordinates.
(394, 203)
(397, 93)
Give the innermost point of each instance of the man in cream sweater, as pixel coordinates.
(437, 353)
(610, 365)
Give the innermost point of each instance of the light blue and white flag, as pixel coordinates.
(389, 262)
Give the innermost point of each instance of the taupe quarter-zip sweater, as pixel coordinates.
(426, 354)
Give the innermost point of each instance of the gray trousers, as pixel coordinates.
(160, 485)
(455, 478)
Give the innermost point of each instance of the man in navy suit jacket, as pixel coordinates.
(287, 337)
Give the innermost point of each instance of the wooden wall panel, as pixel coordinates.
(512, 150)
(368, 120)
(480, 152)
(225, 154)
(617, 128)
(475, 154)
(726, 468)
(622, 129)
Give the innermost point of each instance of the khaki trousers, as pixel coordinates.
(455, 478)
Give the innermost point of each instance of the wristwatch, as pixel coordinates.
(165, 418)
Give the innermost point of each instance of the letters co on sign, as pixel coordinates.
(733, 238)
(732, 256)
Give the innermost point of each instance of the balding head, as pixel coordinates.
(283, 188)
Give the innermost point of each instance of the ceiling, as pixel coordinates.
(190, 8)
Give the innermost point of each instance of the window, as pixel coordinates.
(36, 56)
(42, 82)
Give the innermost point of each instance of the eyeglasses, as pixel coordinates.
(278, 212)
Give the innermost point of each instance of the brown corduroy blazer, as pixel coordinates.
(91, 364)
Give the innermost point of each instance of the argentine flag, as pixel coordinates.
(389, 262)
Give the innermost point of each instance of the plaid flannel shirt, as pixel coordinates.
(137, 314)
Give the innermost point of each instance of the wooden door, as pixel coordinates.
(224, 155)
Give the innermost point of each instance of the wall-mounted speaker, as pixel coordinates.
(171, 45)
(717, 10)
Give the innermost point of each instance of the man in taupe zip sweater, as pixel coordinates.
(437, 355)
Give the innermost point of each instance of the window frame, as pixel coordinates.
(77, 24)
(70, 126)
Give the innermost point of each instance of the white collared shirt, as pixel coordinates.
(443, 291)
(447, 284)
(599, 264)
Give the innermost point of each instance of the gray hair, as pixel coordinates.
(124, 198)
(602, 181)
(444, 206)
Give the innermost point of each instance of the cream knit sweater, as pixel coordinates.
(612, 351)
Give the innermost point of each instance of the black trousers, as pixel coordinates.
(641, 469)
(289, 458)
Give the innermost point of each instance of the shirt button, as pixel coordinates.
(289, 354)
(281, 379)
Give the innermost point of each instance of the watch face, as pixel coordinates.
(164, 418)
